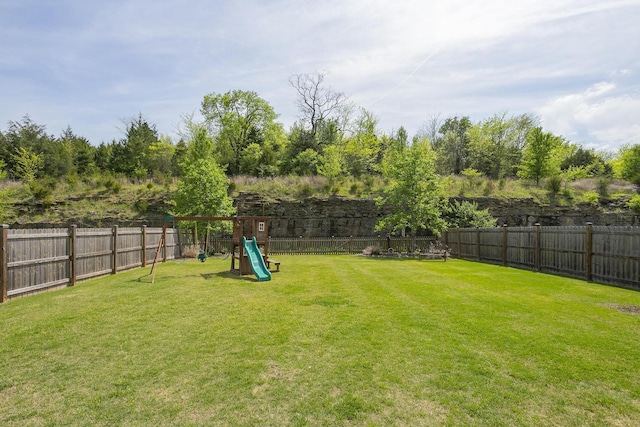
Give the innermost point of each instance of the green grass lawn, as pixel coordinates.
(331, 340)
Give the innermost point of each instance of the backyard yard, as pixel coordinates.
(330, 340)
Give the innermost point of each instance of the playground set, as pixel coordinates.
(250, 244)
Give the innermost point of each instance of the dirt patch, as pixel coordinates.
(633, 309)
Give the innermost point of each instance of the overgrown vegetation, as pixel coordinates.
(332, 340)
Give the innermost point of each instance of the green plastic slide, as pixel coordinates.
(255, 258)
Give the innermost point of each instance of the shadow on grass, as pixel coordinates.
(227, 275)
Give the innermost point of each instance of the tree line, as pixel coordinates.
(332, 137)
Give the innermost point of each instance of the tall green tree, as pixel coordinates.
(452, 145)
(538, 159)
(496, 144)
(627, 165)
(414, 196)
(130, 155)
(362, 149)
(236, 119)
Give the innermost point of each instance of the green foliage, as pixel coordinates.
(27, 164)
(332, 163)
(42, 190)
(628, 164)
(237, 118)
(554, 184)
(414, 194)
(496, 144)
(306, 162)
(634, 203)
(538, 157)
(466, 214)
(452, 145)
(590, 197)
(203, 191)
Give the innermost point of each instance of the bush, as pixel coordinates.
(40, 190)
(590, 197)
(554, 184)
(634, 203)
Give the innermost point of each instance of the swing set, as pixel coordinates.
(250, 244)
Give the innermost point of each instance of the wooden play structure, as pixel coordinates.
(250, 243)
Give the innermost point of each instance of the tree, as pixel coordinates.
(83, 154)
(452, 145)
(236, 119)
(414, 194)
(363, 148)
(203, 191)
(27, 164)
(538, 157)
(331, 163)
(627, 165)
(130, 155)
(496, 144)
(316, 102)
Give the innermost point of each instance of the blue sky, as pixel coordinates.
(92, 65)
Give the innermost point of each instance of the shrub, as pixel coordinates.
(590, 197)
(634, 203)
(554, 184)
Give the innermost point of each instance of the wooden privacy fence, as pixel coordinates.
(603, 254)
(328, 245)
(37, 259)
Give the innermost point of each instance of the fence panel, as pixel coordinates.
(521, 247)
(562, 250)
(468, 243)
(491, 243)
(616, 255)
(94, 252)
(129, 251)
(37, 259)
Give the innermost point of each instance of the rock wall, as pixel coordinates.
(340, 216)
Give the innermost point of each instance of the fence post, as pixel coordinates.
(588, 251)
(505, 243)
(300, 245)
(114, 269)
(164, 241)
(478, 242)
(538, 255)
(144, 245)
(4, 285)
(459, 244)
(350, 244)
(72, 255)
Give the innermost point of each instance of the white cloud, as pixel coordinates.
(598, 116)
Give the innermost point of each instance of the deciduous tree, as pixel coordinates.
(414, 195)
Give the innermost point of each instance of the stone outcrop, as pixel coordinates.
(341, 216)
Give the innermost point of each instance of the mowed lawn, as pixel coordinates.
(331, 340)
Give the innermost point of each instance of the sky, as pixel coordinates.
(93, 65)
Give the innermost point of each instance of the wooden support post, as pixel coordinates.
(505, 243)
(4, 280)
(538, 250)
(114, 268)
(478, 243)
(144, 245)
(588, 252)
(72, 255)
(164, 242)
